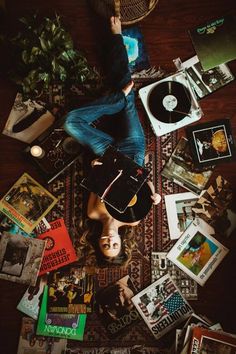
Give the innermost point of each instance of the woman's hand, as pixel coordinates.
(155, 196)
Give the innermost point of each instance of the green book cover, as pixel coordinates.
(44, 329)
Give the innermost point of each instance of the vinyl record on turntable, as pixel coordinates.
(169, 101)
(138, 207)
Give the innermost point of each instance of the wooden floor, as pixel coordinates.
(166, 37)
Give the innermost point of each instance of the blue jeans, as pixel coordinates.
(79, 125)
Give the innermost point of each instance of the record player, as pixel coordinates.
(170, 103)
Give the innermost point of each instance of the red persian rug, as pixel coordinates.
(151, 235)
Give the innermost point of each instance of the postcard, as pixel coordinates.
(197, 253)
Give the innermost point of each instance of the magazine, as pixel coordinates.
(208, 341)
(161, 265)
(30, 343)
(197, 253)
(116, 180)
(30, 302)
(180, 169)
(136, 50)
(59, 250)
(27, 120)
(215, 41)
(45, 329)
(27, 202)
(204, 82)
(20, 258)
(115, 308)
(70, 290)
(162, 306)
(211, 142)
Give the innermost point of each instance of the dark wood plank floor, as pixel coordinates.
(166, 37)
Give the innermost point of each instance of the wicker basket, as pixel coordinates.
(130, 11)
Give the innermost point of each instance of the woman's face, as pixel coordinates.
(110, 245)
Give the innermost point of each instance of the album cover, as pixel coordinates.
(161, 265)
(30, 302)
(181, 169)
(211, 142)
(70, 290)
(30, 343)
(45, 329)
(197, 253)
(27, 202)
(137, 54)
(115, 308)
(7, 225)
(59, 250)
(216, 206)
(204, 82)
(215, 41)
(27, 120)
(20, 258)
(116, 180)
(208, 341)
(162, 306)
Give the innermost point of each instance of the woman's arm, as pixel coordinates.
(155, 196)
(92, 210)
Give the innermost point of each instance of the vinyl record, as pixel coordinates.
(138, 207)
(169, 101)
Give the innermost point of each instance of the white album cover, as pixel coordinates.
(197, 253)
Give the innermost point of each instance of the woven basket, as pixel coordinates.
(130, 11)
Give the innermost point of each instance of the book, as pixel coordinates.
(161, 265)
(27, 120)
(116, 180)
(27, 202)
(136, 49)
(52, 330)
(115, 308)
(215, 41)
(30, 302)
(204, 82)
(162, 306)
(59, 250)
(7, 225)
(181, 170)
(197, 253)
(205, 340)
(70, 290)
(20, 258)
(31, 343)
(211, 143)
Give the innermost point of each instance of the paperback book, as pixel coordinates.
(45, 329)
(197, 253)
(20, 258)
(215, 41)
(162, 306)
(59, 250)
(181, 169)
(116, 180)
(30, 302)
(136, 49)
(70, 290)
(30, 343)
(204, 82)
(27, 202)
(115, 308)
(211, 142)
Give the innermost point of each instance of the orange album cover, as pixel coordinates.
(59, 249)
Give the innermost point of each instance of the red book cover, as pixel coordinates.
(59, 249)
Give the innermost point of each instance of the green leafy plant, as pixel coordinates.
(46, 55)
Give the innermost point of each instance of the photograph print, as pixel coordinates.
(211, 142)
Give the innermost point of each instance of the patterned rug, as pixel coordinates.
(151, 235)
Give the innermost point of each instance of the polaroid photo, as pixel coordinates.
(211, 142)
(179, 212)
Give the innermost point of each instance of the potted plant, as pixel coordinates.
(46, 55)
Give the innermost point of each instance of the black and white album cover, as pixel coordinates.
(211, 142)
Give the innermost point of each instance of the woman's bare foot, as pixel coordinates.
(128, 88)
(115, 25)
